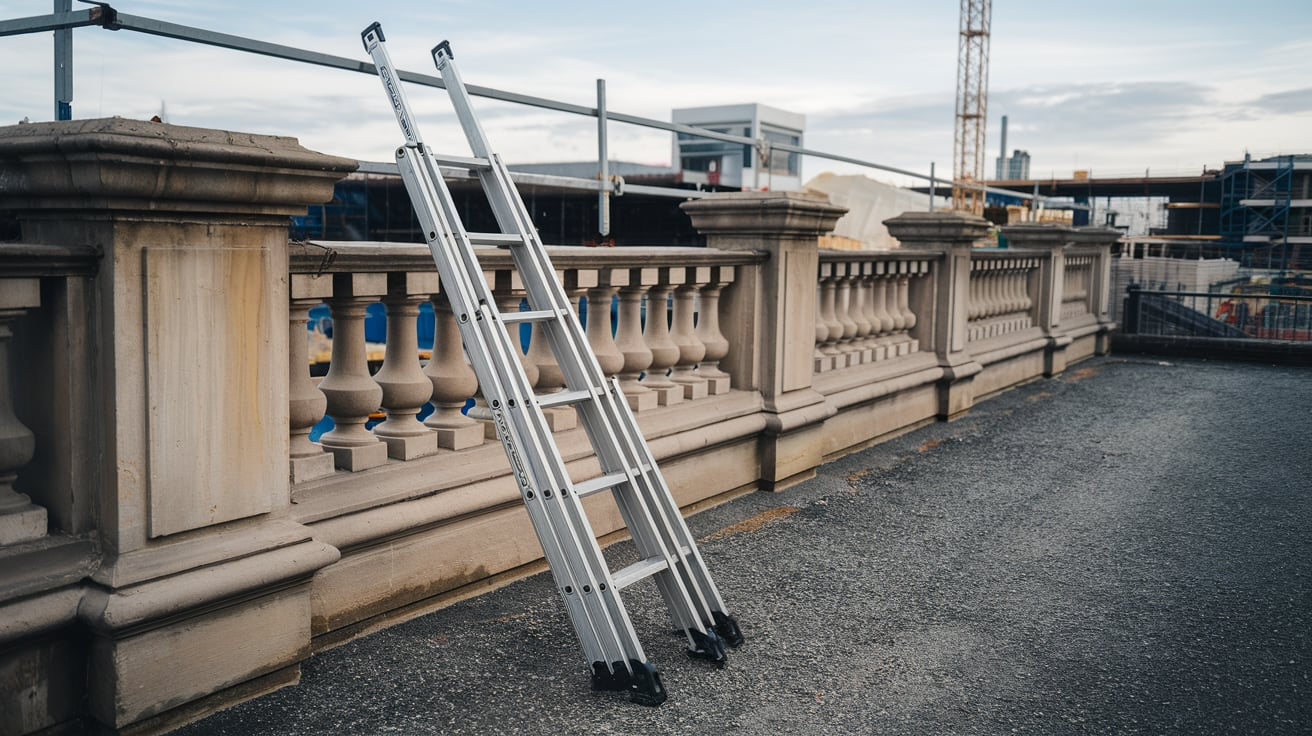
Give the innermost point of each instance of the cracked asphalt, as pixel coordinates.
(1125, 549)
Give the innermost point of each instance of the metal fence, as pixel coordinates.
(1265, 316)
(65, 19)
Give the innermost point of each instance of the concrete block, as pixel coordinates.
(306, 469)
(412, 447)
(360, 457)
(146, 674)
(460, 438)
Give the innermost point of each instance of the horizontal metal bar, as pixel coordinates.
(167, 29)
(549, 180)
(51, 22)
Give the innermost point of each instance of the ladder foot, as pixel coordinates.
(727, 627)
(643, 683)
(708, 646)
(647, 688)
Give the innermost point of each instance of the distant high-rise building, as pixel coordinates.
(1016, 166)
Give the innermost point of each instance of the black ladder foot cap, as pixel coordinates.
(647, 688)
(641, 679)
(727, 627)
(708, 646)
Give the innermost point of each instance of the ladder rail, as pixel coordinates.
(549, 470)
(543, 458)
(687, 596)
(554, 503)
(600, 637)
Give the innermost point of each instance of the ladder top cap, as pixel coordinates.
(444, 47)
(375, 28)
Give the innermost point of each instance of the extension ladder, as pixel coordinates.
(669, 555)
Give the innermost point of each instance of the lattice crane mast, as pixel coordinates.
(972, 105)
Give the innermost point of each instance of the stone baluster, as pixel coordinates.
(708, 331)
(1015, 295)
(405, 387)
(891, 304)
(509, 296)
(880, 285)
(453, 382)
(861, 343)
(972, 294)
(630, 342)
(664, 353)
(352, 393)
(909, 345)
(684, 334)
(20, 519)
(308, 460)
(600, 335)
(828, 297)
(550, 378)
(819, 360)
(843, 274)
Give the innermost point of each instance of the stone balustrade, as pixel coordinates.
(664, 343)
(168, 481)
(1077, 286)
(1000, 298)
(864, 313)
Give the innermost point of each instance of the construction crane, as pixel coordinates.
(972, 105)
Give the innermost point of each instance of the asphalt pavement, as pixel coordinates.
(1124, 549)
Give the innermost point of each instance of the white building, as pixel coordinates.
(736, 165)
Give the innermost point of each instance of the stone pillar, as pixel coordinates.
(952, 235)
(1050, 238)
(202, 591)
(20, 519)
(1100, 283)
(770, 317)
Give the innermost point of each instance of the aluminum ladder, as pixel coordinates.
(669, 555)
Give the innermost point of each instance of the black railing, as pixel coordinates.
(1268, 316)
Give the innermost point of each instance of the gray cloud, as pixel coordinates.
(1289, 102)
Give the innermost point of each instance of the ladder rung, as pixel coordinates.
(560, 398)
(500, 240)
(626, 576)
(513, 318)
(610, 480)
(461, 162)
(600, 483)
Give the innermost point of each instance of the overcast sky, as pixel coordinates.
(1116, 86)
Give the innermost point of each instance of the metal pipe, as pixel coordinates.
(63, 64)
(603, 161)
(933, 185)
(108, 18)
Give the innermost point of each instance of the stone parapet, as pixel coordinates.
(770, 316)
(179, 472)
(952, 234)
